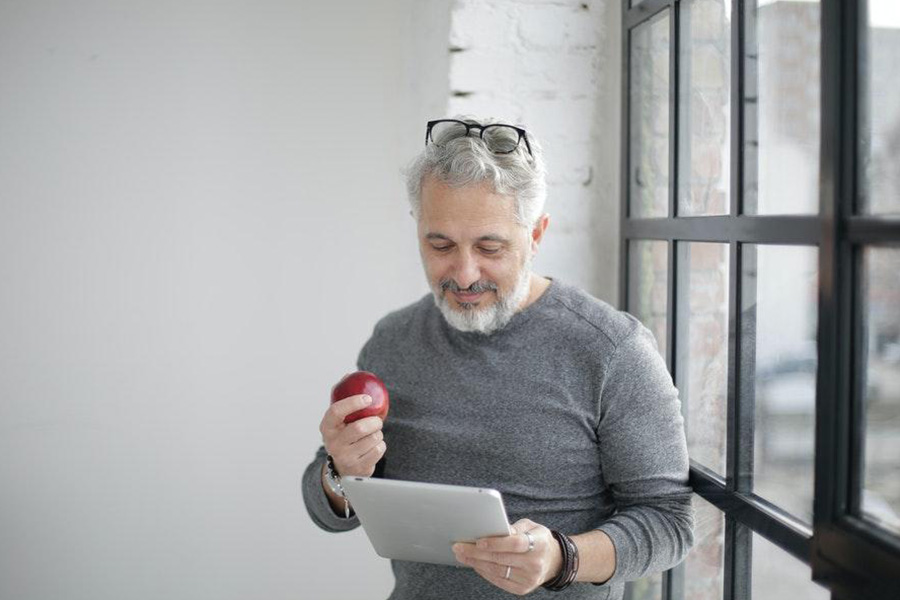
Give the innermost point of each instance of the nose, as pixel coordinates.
(466, 271)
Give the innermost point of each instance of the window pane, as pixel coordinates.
(702, 349)
(648, 588)
(648, 277)
(704, 104)
(777, 575)
(704, 566)
(781, 107)
(648, 181)
(779, 318)
(881, 493)
(880, 107)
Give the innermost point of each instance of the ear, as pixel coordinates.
(537, 233)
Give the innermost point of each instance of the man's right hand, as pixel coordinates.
(355, 447)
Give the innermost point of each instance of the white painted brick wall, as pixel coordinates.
(554, 66)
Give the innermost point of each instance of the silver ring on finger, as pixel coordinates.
(530, 541)
(508, 571)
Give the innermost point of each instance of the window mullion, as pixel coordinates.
(738, 560)
(673, 583)
(674, 46)
(672, 307)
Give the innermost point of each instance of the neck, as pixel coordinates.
(537, 286)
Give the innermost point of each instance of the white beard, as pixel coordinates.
(491, 318)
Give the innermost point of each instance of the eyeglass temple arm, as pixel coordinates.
(527, 144)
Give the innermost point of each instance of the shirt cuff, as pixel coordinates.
(317, 504)
(626, 548)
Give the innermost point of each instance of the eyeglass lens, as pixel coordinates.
(498, 138)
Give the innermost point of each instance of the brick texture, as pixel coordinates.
(554, 67)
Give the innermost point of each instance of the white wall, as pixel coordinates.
(201, 218)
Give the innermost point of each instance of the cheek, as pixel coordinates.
(509, 271)
(435, 268)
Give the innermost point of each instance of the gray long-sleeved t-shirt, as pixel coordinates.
(568, 411)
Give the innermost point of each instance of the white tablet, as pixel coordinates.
(407, 520)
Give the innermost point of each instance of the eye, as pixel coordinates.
(489, 251)
(442, 248)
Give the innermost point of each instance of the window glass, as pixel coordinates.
(648, 279)
(648, 588)
(705, 109)
(778, 370)
(880, 110)
(704, 566)
(777, 575)
(648, 178)
(702, 349)
(781, 107)
(881, 376)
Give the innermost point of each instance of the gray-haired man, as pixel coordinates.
(506, 379)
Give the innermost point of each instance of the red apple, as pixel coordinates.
(363, 382)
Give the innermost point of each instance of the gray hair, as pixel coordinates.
(464, 161)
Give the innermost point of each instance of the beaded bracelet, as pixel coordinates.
(570, 563)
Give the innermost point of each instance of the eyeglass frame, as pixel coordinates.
(523, 135)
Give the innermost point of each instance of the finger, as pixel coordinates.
(510, 585)
(374, 454)
(342, 408)
(349, 446)
(523, 525)
(516, 543)
(364, 444)
(516, 559)
(359, 430)
(471, 551)
(492, 571)
(495, 569)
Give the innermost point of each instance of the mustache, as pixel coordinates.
(476, 288)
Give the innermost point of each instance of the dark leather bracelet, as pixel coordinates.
(569, 569)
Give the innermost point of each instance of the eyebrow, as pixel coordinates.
(484, 238)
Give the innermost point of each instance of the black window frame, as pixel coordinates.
(849, 555)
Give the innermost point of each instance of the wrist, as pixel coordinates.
(557, 563)
(570, 563)
(331, 482)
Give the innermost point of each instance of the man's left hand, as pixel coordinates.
(507, 561)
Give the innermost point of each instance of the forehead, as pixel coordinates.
(468, 211)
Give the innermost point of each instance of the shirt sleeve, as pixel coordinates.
(314, 496)
(316, 500)
(644, 458)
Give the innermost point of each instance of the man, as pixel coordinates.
(505, 379)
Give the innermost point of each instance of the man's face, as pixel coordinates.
(477, 257)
